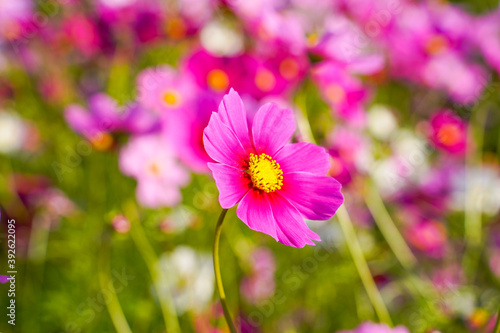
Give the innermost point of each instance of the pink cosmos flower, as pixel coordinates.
(159, 176)
(105, 116)
(343, 92)
(448, 132)
(162, 89)
(276, 184)
(429, 237)
(369, 327)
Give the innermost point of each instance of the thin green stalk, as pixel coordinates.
(151, 260)
(388, 228)
(218, 278)
(361, 266)
(472, 221)
(497, 324)
(106, 283)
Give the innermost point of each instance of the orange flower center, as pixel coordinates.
(218, 80)
(436, 44)
(335, 93)
(289, 68)
(265, 80)
(154, 169)
(449, 134)
(102, 141)
(265, 173)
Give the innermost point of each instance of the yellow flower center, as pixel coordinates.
(217, 80)
(265, 173)
(154, 169)
(171, 98)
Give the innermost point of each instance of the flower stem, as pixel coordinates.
(151, 260)
(473, 209)
(218, 278)
(497, 324)
(107, 287)
(388, 228)
(361, 266)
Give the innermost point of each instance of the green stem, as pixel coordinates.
(497, 324)
(361, 266)
(151, 260)
(388, 228)
(218, 278)
(472, 222)
(106, 283)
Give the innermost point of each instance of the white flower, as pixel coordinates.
(190, 278)
(220, 39)
(12, 132)
(381, 122)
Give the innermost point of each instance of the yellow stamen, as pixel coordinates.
(217, 80)
(154, 169)
(171, 98)
(265, 173)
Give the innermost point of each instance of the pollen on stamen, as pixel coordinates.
(265, 173)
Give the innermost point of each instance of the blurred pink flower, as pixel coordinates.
(448, 132)
(429, 237)
(369, 327)
(105, 116)
(163, 90)
(218, 74)
(159, 176)
(267, 176)
(121, 224)
(184, 130)
(343, 92)
(259, 285)
(485, 34)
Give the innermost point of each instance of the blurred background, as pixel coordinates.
(102, 109)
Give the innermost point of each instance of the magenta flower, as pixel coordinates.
(343, 92)
(4, 278)
(369, 327)
(159, 176)
(449, 132)
(105, 116)
(276, 184)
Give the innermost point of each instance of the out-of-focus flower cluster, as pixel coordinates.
(402, 94)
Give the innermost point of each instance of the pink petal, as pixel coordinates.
(231, 182)
(303, 156)
(221, 143)
(154, 194)
(255, 211)
(80, 120)
(272, 128)
(290, 226)
(316, 197)
(232, 113)
(105, 109)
